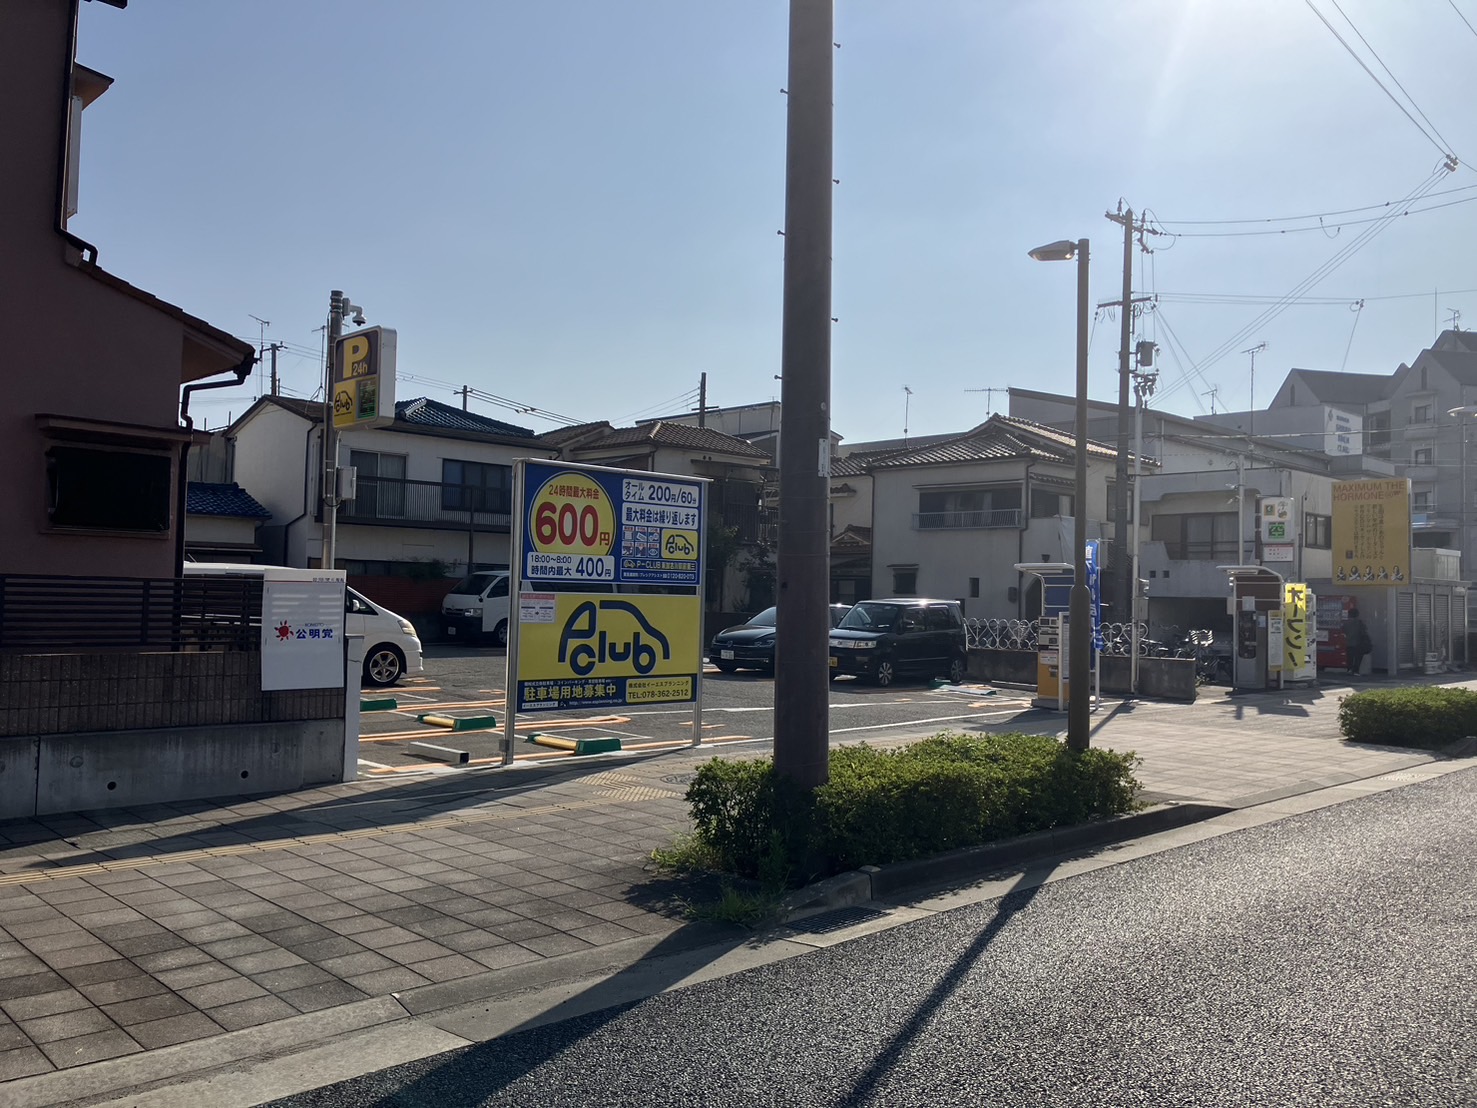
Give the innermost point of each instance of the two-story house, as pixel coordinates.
(953, 517)
(91, 437)
(434, 492)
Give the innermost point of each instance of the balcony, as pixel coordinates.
(393, 502)
(966, 521)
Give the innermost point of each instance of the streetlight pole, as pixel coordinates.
(1079, 645)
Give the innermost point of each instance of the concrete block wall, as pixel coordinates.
(54, 694)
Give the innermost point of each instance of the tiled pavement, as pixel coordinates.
(130, 930)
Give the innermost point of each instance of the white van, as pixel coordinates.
(392, 649)
(478, 605)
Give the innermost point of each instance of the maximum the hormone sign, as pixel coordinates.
(610, 528)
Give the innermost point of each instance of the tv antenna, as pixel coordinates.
(989, 393)
(907, 405)
(1212, 393)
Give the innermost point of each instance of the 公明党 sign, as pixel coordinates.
(605, 650)
(302, 641)
(610, 527)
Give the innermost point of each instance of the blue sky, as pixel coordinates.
(574, 203)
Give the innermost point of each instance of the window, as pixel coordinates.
(1422, 501)
(1420, 413)
(974, 586)
(1318, 532)
(108, 490)
(979, 507)
(475, 486)
(905, 581)
(381, 479)
(1046, 503)
(1112, 513)
(1421, 456)
(1198, 536)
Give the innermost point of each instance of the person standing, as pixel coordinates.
(1357, 643)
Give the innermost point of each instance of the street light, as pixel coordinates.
(1080, 609)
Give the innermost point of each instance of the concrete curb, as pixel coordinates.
(875, 882)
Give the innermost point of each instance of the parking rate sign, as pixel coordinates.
(610, 527)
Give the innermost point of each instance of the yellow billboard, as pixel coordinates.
(1371, 532)
(601, 650)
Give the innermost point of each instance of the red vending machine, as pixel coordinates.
(1331, 613)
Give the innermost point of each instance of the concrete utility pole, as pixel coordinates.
(1122, 571)
(802, 631)
(702, 400)
(338, 308)
(276, 384)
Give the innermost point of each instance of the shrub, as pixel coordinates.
(1424, 717)
(884, 806)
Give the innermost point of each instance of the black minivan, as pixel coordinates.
(882, 640)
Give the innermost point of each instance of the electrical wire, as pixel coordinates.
(1429, 136)
(1319, 274)
(1323, 227)
(662, 406)
(1297, 218)
(1460, 16)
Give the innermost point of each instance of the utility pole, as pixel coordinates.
(1121, 567)
(464, 390)
(802, 631)
(702, 400)
(276, 384)
(338, 308)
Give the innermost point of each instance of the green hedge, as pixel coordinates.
(891, 805)
(1424, 717)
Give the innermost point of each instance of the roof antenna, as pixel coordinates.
(907, 403)
(1212, 393)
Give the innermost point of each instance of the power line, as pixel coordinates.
(1297, 218)
(1460, 16)
(1428, 135)
(1320, 226)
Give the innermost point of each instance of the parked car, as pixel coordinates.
(882, 640)
(392, 649)
(751, 645)
(476, 606)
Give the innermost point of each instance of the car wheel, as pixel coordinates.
(956, 671)
(884, 674)
(725, 667)
(383, 666)
(500, 634)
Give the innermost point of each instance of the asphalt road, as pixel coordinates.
(1327, 959)
(737, 709)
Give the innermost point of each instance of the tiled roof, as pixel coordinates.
(205, 498)
(561, 435)
(680, 435)
(999, 438)
(420, 412)
(853, 536)
(423, 412)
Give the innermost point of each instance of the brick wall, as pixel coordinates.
(50, 694)
(403, 595)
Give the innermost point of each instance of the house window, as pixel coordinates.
(381, 480)
(1422, 501)
(904, 580)
(1318, 532)
(1198, 536)
(1112, 512)
(1421, 456)
(108, 490)
(1421, 413)
(974, 587)
(1046, 503)
(475, 486)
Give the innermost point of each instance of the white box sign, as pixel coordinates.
(302, 628)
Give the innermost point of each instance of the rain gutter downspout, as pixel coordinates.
(242, 371)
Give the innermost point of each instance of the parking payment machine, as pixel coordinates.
(1053, 676)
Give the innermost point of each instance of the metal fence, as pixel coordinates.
(1020, 634)
(41, 614)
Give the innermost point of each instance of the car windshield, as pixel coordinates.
(474, 583)
(763, 619)
(867, 616)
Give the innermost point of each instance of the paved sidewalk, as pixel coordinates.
(128, 931)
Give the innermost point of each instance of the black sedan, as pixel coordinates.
(751, 645)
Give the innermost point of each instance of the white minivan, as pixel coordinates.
(478, 605)
(392, 649)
